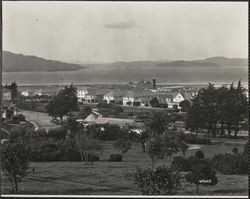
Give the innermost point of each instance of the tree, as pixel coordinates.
(15, 156)
(211, 106)
(183, 147)
(64, 102)
(160, 146)
(202, 173)
(72, 125)
(185, 105)
(144, 136)
(86, 146)
(222, 94)
(158, 123)
(154, 102)
(208, 100)
(195, 117)
(240, 107)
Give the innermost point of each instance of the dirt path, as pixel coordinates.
(38, 119)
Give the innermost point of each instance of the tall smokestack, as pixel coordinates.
(154, 84)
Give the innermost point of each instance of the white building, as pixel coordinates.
(81, 94)
(25, 93)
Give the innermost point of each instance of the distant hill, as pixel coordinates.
(18, 63)
(183, 63)
(224, 61)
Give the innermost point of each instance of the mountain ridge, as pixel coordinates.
(13, 62)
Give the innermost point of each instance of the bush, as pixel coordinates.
(93, 157)
(154, 102)
(193, 139)
(159, 181)
(20, 117)
(40, 132)
(115, 158)
(235, 150)
(180, 163)
(103, 105)
(48, 151)
(110, 132)
(230, 164)
(202, 173)
(136, 103)
(57, 133)
(199, 154)
(183, 164)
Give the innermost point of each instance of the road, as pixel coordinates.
(38, 119)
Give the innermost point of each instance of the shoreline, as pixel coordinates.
(126, 84)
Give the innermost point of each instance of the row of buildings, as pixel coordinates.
(121, 96)
(132, 96)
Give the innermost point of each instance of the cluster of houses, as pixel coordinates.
(133, 97)
(126, 97)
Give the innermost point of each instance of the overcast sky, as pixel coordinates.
(109, 31)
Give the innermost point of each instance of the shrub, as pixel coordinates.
(159, 181)
(235, 150)
(93, 157)
(202, 173)
(115, 158)
(193, 139)
(230, 164)
(122, 144)
(103, 105)
(136, 103)
(110, 132)
(180, 163)
(40, 132)
(117, 109)
(20, 117)
(175, 106)
(120, 102)
(154, 102)
(183, 164)
(199, 154)
(57, 133)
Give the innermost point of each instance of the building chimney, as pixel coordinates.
(154, 84)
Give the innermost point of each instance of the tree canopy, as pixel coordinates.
(223, 106)
(64, 102)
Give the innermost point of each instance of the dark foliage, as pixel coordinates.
(231, 164)
(115, 158)
(159, 181)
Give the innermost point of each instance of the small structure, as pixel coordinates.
(114, 96)
(25, 93)
(95, 118)
(7, 96)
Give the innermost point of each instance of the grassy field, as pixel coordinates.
(117, 178)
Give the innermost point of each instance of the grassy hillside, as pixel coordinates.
(17, 62)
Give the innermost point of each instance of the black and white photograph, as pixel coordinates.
(123, 98)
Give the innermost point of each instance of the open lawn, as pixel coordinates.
(117, 178)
